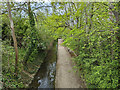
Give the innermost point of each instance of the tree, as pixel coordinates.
(33, 34)
(14, 37)
(92, 38)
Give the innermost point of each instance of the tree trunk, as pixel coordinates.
(14, 38)
(33, 34)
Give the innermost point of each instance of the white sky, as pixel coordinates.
(61, 0)
(32, 0)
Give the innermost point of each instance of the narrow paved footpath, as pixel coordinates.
(65, 76)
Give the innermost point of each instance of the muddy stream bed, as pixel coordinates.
(45, 77)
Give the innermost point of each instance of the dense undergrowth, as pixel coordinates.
(33, 41)
(92, 31)
(8, 64)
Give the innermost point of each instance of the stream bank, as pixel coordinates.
(45, 76)
(28, 72)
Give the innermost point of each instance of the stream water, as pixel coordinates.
(45, 77)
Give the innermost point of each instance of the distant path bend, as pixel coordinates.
(65, 77)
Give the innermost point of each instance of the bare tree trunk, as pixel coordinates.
(14, 37)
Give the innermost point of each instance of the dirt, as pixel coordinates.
(65, 75)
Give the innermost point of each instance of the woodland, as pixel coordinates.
(90, 29)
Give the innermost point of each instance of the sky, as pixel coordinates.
(62, 0)
(27, 0)
(32, 0)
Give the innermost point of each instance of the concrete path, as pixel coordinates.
(65, 76)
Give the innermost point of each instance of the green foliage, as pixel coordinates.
(31, 38)
(8, 66)
(11, 82)
(89, 29)
(93, 38)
